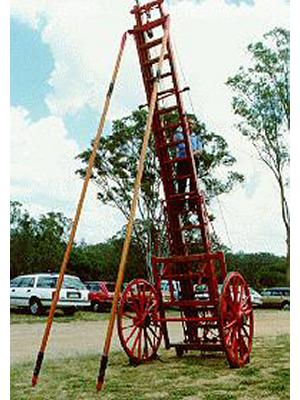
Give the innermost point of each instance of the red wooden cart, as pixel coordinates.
(218, 321)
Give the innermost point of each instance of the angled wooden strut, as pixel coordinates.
(104, 358)
(55, 299)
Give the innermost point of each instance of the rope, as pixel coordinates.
(224, 222)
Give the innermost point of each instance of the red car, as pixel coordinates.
(100, 294)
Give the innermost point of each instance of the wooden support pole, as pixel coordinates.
(120, 278)
(55, 299)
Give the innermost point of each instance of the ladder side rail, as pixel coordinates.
(177, 243)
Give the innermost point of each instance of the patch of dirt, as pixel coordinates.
(271, 322)
(87, 337)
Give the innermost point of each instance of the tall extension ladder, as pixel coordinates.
(148, 32)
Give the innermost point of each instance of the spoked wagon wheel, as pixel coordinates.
(138, 326)
(236, 320)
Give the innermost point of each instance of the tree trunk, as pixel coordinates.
(288, 257)
(286, 221)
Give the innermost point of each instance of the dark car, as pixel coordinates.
(277, 297)
(101, 294)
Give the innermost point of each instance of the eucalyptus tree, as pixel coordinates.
(262, 101)
(116, 166)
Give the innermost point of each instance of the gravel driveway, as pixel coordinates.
(87, 337)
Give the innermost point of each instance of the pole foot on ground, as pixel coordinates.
(34, 380)
(37, 368)
(103, 364)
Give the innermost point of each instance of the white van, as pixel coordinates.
(35, 292)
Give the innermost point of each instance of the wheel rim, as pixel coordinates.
(34, 307)
(236, 320)
(138, 326)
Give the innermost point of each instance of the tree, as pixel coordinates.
(22, 240)
(100, 261)
(36, 244)
(116, 164)
(262, 101)
(51, 235)
(259, 269)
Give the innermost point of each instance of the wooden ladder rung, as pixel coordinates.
(150, 25)
(167, 110)
(163, 76)
(151, 44)
(155, 60)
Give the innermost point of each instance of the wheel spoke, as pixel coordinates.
(153, 332)
(128, 315)
(242, 292)
(229, 298)
(147, 302)
(131, 334)
(230, 324)
(235, 293)
(141, 296)
(149, 340)
(144, 297)
(145, 344)
(245, 303)
(151, 307)
(140, 344)
(133, 305)
(245, 331)
(243, 347)
(248, 311)
(136, 340)
(235, 346)
(227, 338)
(127, 327)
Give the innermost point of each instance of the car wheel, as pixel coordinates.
(35, 307)
(69, 311)
(285, 306)
(179, 351)
(96, 307)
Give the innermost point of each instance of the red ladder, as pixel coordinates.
(148, 34)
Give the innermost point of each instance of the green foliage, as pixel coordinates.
(101, 261)
(36, 245)
(259, 269)
(262, 101)
(116, 167)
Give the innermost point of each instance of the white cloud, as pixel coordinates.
(210, 50)
(43, 176)
(84, 38)
(211, 39)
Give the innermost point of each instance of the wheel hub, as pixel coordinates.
(147, 321)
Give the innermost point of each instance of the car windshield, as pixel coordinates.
(73, 283)
(69, 282)
(164, 285)
(93, 287)
(15, 282)
(110, 287)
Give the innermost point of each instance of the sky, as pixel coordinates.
(62, 54)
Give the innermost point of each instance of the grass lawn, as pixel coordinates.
(21, 316)
(190, 377)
